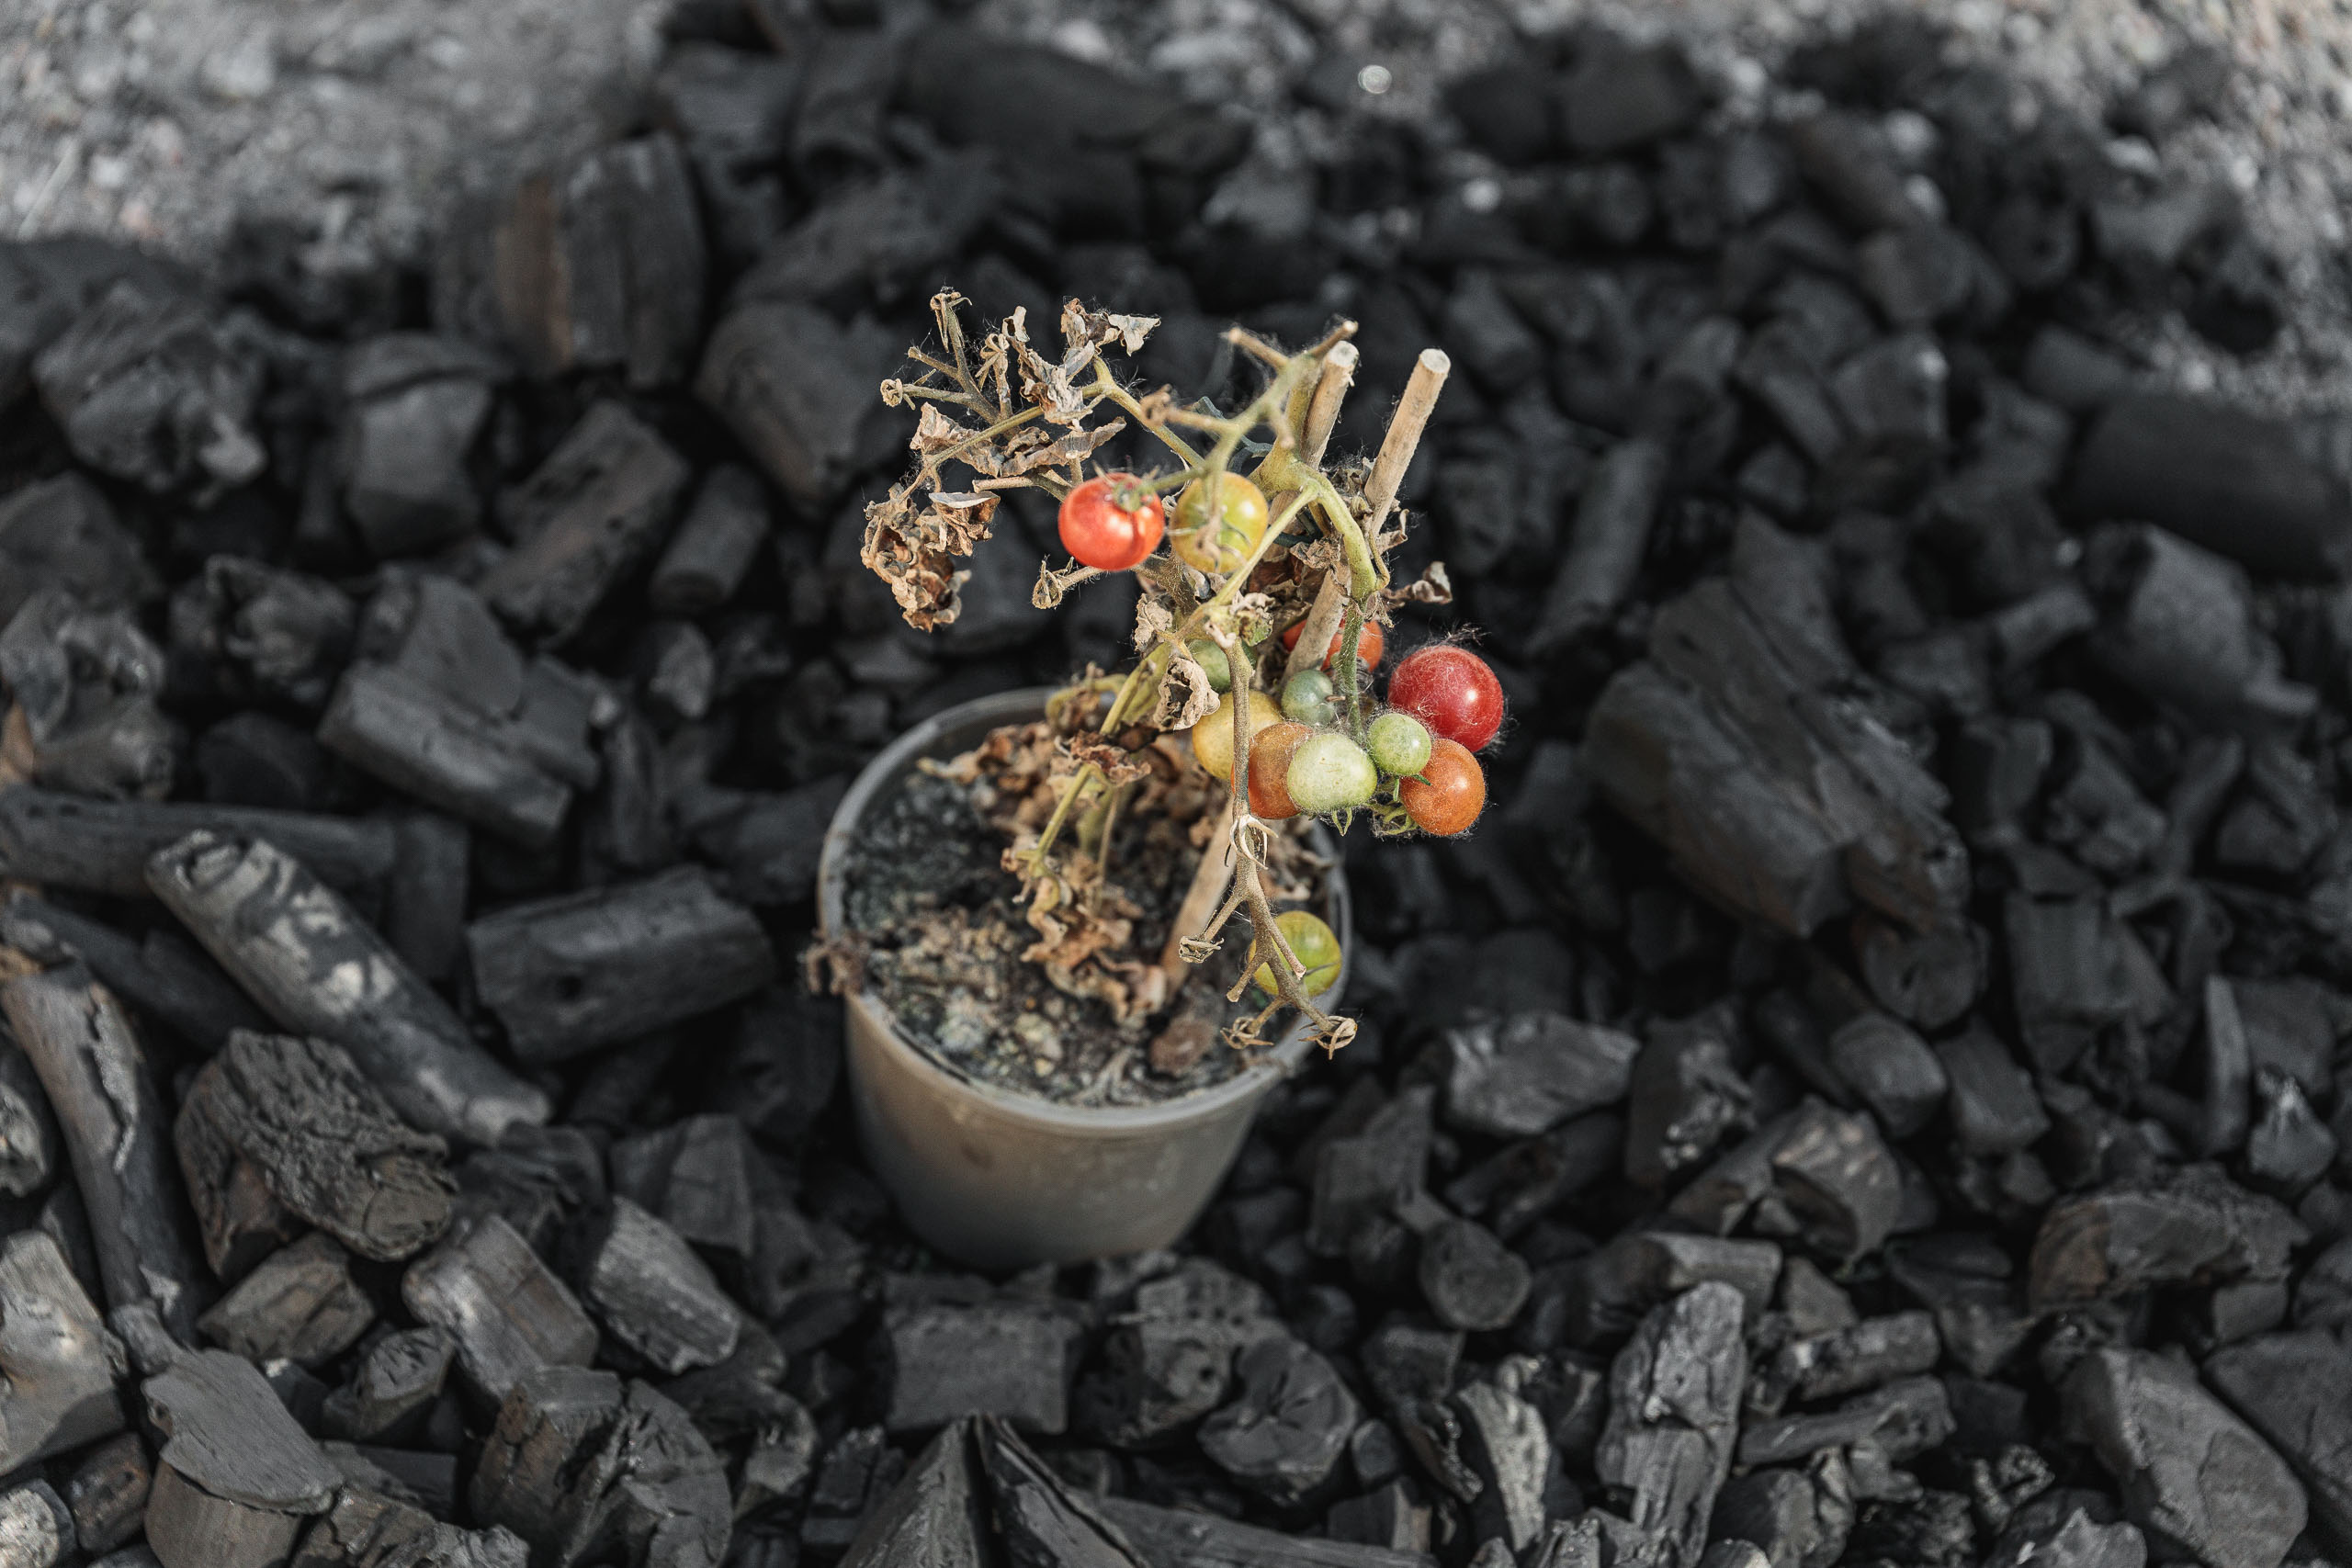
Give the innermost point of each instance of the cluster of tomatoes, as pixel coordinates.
(1445, 703)
(1443, 706)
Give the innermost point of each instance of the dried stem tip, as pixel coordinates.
(1404, 437)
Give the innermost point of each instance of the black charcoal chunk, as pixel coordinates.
(1606, 543)
(2074, 967)
(300, 1304)
(1518, 1186)
(2178, 624)
(1505, 1446)
(86, 685)
(938, 1515)
(1608, 1291)
(369, 1528)
(145, 389)
(278, 1132)
(1994, 1108)
(1287, 1427)
(714, 546)
(303, 953)
(1797, 1518)
(1685, 1096)
(425, 901)
(1857, 1356)
(1169, 1538)
(593, 511)
(60, 532)
(1362, 1177)
(2193, 1476)
(107, 1492)
(392, 1388)
(2296, 1390)
(1040, 1517)
(414, 405)
(28, 1145)
(767, 844)
(507, 1311)
(58, 1363)
(1470, 1280)
(573, 973)
(1851, 163)
(2076, 1542)
(1010, 1359)
(1674, 1417)
(2229, 480)
(35, 1527)
(795, 388)
(237, 1476)
(96, 846)
(654, 1294)
(1890, 1069)
(2189, 1225)
(96, 1076)
(1620, 95)
(1531, 1072)
(1169, 1361)
(586, 1468)
(264, 635)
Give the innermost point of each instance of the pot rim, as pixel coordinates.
(832, 878)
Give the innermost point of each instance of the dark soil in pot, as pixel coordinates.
(1068, 1005)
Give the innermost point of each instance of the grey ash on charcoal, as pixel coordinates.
(1870, 1090)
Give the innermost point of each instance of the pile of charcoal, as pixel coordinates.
(1868, 1093)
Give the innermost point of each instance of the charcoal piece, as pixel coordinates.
(1610, 1291)
(1891, 395)
(1008, 1360)
(369, 1528)
(1778, 372)
(1994, 1108)
(277, 1130)
(1507, 109)
(1515, 1188)
(1903, 1420)
(2178, 624)
(107, 1492)
(1836, 1181)
(508, 1312)
(236, 1476)
(1470, 1279)
(95, 846)
(1386, 1517)
(397, 1378)
(2282, 815)
(795, 388)
(145, 389)
(1860, 1356)
(585, 1468)
(28, 1145)
(1619, 95)
(2289, 1147)
(1531, 1072)
(653, 1293)
(85, 686)
(1917, 273)
(2075, 1543)
(1286, 1428)
(768, 843)
(2292, 1388)
(1487, 337)
(732, 110)
(1978, 1314)
(1850, 162)
(58, 1363)
(415, 404)
(699, 1176)
(1504, 1442)
(936, 1517)
(591, 513)
(424, 900)
(1797, 1518)
(2223, 478)
(537, 1178)
(96, 1074)
(1679, 743)
(2189, 1225)
(1170, 1361)
(419, 741)
(254, 758)
(1891, 1070)
(1674, 1417)
(296, 948)
(264, 635)
(885, 234)
(1606, 543)
(1685, 1096)
(1040, 1519)
(570, 974)
(35, 1527)
(2074, 967)
(858, 1470)
(1363, 1176)
(714, 546)
(60, 532)
(2194, 1477)
(300, 1304)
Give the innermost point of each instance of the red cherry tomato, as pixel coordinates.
(1450, 689)
(1270, 751)
(1449, 794)
(1112, 522)
(1368, 643)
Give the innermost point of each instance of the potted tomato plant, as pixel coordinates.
(1082, 932)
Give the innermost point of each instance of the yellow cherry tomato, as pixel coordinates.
(1213, 736)
(1220, 541)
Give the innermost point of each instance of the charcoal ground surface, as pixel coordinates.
(1870, 1091)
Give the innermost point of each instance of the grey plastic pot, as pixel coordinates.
(1003, 1180)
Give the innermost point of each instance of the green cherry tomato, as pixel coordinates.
(1310, 698)
(1399, 744)
(1316, 946)
(1329, 772)
(1211, 658)
(1218, 543)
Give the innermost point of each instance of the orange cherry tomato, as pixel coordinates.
(1270, 751)
(1449, 792)
(1368, 643)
